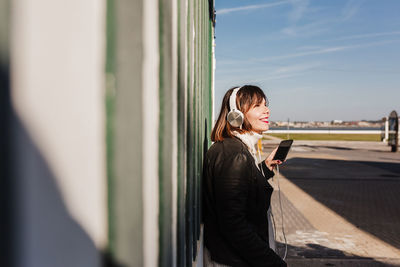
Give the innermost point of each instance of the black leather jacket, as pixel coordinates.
(236, 197)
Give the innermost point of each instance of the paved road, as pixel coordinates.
(341, 204)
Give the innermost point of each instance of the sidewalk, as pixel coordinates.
(340, 262)
(340, 204)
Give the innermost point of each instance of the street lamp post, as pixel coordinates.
(393, 131)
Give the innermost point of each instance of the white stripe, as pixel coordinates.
(150, 133)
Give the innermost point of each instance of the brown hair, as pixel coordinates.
(246, 98)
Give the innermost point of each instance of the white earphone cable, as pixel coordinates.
(259, 157)
(280, 204)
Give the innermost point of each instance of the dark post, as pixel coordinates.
(393, 131)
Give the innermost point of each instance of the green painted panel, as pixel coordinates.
(193, 124)
(165, 131)
(126, 173)
(110, 106)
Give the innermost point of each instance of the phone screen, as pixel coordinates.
(283, 150)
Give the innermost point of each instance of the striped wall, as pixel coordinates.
(159, 119)
(105, 115)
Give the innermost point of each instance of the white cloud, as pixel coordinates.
(250, 7)
(308, 53)
(294, 68)
(325, 50)
(265, 73)
(308, 47)
(309, 29)
(351, 8)
(289, 71)
(367, 35)
(299, 9)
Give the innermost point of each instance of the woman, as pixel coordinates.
(236, 193)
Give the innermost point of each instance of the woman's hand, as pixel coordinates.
(271, 164)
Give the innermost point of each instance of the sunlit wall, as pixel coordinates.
(106, 113)
(58, 157)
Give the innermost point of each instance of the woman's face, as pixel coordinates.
(258, 117)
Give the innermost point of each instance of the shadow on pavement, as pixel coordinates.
(364, 193)
(316, 255)
(330, 147)
(313, 251)
(388, 166)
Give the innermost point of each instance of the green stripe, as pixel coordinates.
(110, 107)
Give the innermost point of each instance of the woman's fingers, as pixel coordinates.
(272, 155)
(270, 162)
(276, 162)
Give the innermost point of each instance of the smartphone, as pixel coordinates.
(283, 150)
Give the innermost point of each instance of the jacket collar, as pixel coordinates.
(250, 139)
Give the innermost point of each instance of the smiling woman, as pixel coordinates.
(258, 117)
(236, 191)
(251, 101)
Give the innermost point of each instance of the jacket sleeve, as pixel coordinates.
(267, 172)
(231, 193)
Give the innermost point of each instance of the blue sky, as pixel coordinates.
(315, 60)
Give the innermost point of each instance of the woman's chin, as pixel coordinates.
(265, 128)
(262, 129)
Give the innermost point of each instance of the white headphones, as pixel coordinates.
(235, 117)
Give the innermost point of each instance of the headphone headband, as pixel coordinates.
(232, 99)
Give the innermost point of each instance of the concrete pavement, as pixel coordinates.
(340, 204)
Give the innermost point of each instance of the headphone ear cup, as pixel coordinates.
(235, 118)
